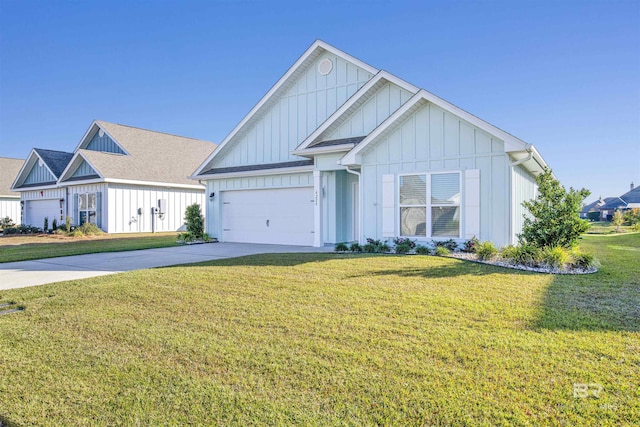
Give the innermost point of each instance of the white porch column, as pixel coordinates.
(317, 209)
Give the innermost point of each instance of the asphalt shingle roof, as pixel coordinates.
(9, 169)
(152, 156)
(55, 160)
(632, 196)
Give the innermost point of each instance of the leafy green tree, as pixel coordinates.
(554, 218)
(618, 220)
(195, 221)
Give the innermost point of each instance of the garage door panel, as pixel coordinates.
(37, 210)
(272, 216)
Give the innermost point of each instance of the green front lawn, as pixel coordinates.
(24, 248)
(327, 339)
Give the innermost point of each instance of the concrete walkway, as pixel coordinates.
(39, 272)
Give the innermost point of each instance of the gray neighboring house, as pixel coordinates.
(123, 179)
(9, 200)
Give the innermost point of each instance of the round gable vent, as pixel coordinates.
(325, 66)
(100, 133)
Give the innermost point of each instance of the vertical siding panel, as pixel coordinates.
(436, 132)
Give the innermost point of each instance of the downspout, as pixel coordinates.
(360, 198)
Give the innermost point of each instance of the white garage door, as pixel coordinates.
(282, 216)
(36, 210)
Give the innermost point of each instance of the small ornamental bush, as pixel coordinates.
(376, 246)
(555, 256)
(404, 241)
(450, 244)
(6, 222)
(186, 237)
(341, 247)
(486, 250)
(442, 251)
(195, 221)
(54, 224)
(470, 245)
(46, 224)
(423, 250)
(355, 247)
(554, 216)
(87, 229)
(582, 260)
(402, 248)
(524, 254)
(67, 224)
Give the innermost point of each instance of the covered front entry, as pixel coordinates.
(37, 210)
(273, 216)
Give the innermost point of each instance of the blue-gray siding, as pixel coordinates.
(104, 144)
(39, 173)
(84, 170)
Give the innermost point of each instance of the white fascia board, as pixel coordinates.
(153, 183)
(318, 44)
(382, 75)
(10, 196)
(351, 158)
(263, 172)
(70, 167)
(22, 170)
(310, 152)
(37, 188)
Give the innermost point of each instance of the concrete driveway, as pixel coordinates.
(39, 272)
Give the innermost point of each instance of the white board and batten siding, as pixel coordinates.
(433, 140)
(310, 100)
(10, 207)
(524, 188)
(216, 206)
(130, 207)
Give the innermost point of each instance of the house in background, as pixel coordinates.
(9, 200)
(338, 150)
(121, 178)
(592, 210)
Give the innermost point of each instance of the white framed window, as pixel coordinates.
(87, 208)
(430, 204)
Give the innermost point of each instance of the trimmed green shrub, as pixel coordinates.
(423, 250)
(402, 248)
(376, 246)
(470, 245)
(450, 244)
(194, 220)
(355, 247)
(486, 250)
(554, 216)
(555, 256)
(522, 254)
(186, 237)
(54, 224)
(582, 260)
(87, 229)
(46, 224)
(341, 247)
(442, 251)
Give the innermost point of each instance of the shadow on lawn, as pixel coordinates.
(590, 302)
(457, 269)
(4, 422)
(608, 300)
(275, 259)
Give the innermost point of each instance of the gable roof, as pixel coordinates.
(281, 87)
(9, 169)
(512, 144)
(344, 112)
(614, 203)
(152, 157)
(54, 161)
(632, 198)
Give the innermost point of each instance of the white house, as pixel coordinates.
(9, 200)
(338, 150)
(123, 179)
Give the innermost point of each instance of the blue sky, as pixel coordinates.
(562, 75)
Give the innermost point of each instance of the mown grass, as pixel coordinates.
(24, 248)
(606, 227)
(327, 339)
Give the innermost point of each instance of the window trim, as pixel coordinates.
(429, 204)
(87, 210)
